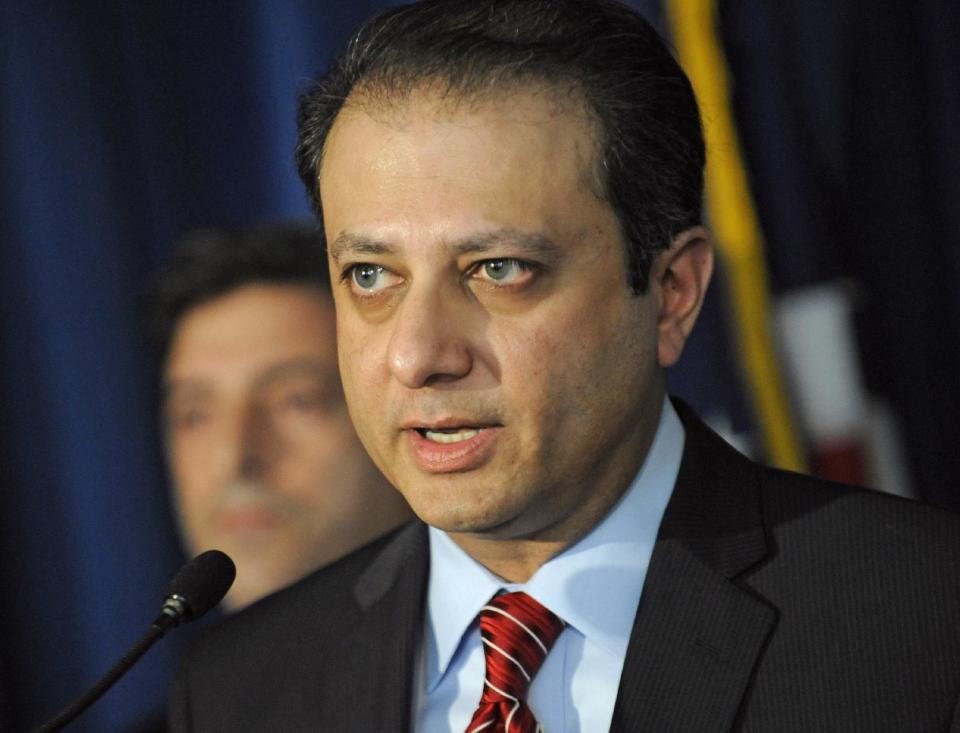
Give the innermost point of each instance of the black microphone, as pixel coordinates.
(195, 589)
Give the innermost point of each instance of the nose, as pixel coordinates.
(258, 443)
(430, 342)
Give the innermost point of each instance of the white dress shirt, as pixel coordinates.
(594, 586)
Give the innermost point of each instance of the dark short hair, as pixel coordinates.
(650, 167)
(208, 263)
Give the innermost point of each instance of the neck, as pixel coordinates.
(515, 561)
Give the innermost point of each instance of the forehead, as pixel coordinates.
(539, 113)
(251, 327)
(520, 154)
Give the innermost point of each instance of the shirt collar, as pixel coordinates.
(593, 585)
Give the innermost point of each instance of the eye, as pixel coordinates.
(369, 279)
(301, 400)
(186, 418)
(503, 271)
(366, 276)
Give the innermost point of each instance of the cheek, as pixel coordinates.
(576, 362)
(336, 479)
(323, 442)
(190, 470)
(365, 376)
(355, 353)
(538, 360)
(363, 412)
(192, 495)
(556, 343)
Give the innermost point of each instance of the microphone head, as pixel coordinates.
(201, 584)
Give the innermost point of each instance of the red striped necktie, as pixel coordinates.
(517, 632)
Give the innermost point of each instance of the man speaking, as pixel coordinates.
(510, 191)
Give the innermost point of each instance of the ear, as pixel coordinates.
(679, 278)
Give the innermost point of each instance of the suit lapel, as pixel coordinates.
(698, 635)
(374, 689)
(694, 646)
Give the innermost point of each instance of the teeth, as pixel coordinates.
(450, 437)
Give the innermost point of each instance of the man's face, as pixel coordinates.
(265, 462)
(497, 366)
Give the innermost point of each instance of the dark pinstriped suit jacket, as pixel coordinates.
(773, 602)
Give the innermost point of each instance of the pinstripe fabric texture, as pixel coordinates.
(517, 633)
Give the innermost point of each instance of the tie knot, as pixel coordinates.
(517, 632)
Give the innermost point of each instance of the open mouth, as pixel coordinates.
(449, 435)
(451, 446)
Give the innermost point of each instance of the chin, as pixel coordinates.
(466, 522)
(239, 598)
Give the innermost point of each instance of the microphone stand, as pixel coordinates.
(197, 587)
(104, 683)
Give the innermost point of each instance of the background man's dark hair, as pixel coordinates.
(208, 263)
(651, 153)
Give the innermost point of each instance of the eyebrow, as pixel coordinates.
(204, 387)
(306, 366)
(188, 388)
(526, 242)
(357, 244)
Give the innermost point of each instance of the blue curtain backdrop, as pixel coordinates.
(122, 126)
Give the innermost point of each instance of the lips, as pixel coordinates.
(450, 448)
(249, 519)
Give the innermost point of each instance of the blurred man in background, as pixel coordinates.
(264, 461)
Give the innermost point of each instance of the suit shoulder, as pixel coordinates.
(258, 669)
(850, 521)
(797, 491)
(311, 610)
